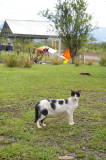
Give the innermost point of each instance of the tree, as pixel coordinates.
(92, 39)
(71, 22)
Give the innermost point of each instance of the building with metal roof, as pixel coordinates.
(28, 29)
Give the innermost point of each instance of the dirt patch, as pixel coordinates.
(6, 140)
(1, 104)
(85, 74)
(13, 110)
(103, 98)
(2, 138)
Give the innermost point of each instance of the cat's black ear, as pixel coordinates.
(72, 91)
(79, 91)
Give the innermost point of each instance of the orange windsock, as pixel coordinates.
(67, 54)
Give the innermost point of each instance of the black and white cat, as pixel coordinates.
(52, 107)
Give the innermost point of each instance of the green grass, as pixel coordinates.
(22, 88)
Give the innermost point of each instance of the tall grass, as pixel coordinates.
(20, 61)
(11, 61)
(56, 61)
(102, 61)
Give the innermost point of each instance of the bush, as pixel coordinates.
(56, 61)
(0, 57)
(102, 61)
(24, 62)
(28, 63)
(89, 62)
(11, 61)
(77, 61)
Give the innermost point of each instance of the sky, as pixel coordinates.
(28, 10)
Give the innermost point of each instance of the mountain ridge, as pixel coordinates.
(100, 34)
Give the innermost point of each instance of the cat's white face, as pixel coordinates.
(75, 95)
(75, 98)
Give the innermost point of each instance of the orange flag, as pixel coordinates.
(67, 54)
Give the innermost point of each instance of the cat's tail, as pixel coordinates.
(37, 108)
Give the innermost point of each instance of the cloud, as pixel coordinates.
(1, 22)
(98, 11)
(19, 9)
(28, 9)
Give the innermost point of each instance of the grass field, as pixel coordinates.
(21, 89)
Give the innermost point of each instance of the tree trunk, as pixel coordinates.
(74, 53)
(72, 56)
(73, 60)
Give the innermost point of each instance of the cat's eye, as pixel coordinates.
(78, 95)
(73, 94)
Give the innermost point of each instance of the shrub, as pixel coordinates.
(21, 61)
(11, 61)
(0, 57)
(24, 62)
(28, 63)
(56, 61)
(102, 61)
(77, 61)
(89, 62)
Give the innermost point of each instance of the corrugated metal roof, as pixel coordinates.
(37, 28)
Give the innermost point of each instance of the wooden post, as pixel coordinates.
(55, 43)
(23, 45)
(59, 51)
(46, 54)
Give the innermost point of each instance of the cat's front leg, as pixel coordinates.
(43, 124)
(70, 118)
(38, 125)
(71, 123)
